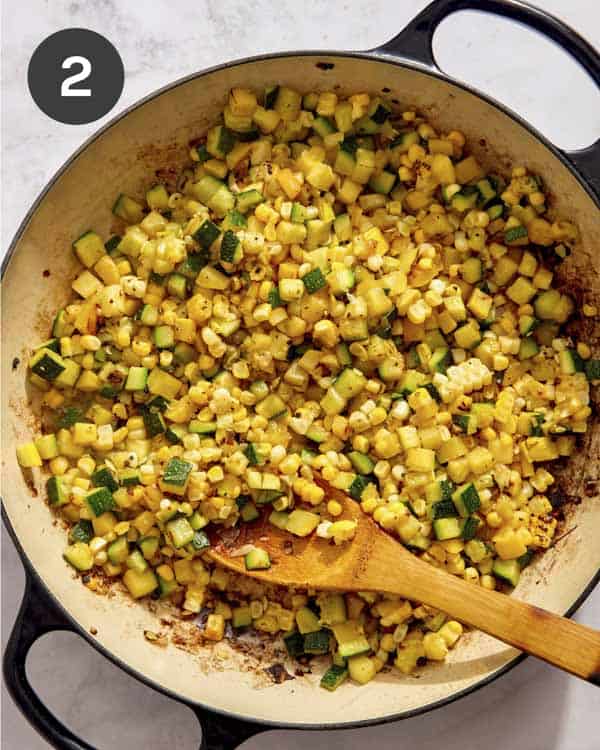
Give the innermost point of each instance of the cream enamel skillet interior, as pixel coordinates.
(125, 157)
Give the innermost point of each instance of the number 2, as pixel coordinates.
(86, 68)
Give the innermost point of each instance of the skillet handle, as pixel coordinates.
(38, 615)
(414, 42)
(224, 733)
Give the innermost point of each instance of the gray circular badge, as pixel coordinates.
(75, 76)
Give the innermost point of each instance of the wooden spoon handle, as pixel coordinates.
(559, 641)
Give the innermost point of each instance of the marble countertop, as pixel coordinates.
(533, 707)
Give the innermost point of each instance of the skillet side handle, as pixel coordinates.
(38, 615)
(224, 733)
(415, 43)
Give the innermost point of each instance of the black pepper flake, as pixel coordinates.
(325, 66)
(15, 363)
(45, 273)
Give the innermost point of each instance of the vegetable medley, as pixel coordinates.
(333, 289)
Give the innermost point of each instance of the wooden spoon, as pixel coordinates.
(374, 561)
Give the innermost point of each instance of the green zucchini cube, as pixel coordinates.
(47, 364)
(100, 501)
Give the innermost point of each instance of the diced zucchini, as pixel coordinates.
(466, 422)
(307, 621)
(323, 126)
(469, 529)
(118, 551)
(137, 378)
(447, 528)
(149, 546)
(200, 540)
(294, 643)
(351, 639)
(592, 369)
(317, 642)
(177, 285)
(47, 446)
(248, 199)
(570, 362)
(271, 407)
(466, 499)
(176, 475)
(164, 337)
(341, 282)
(264, 496)
(314, 280)
(487, 192)
(249, 512)
(342, 226)
(60, 327)
(507, 570)
(257, 559)
(128, 209)
(362, 463)
(184, 353)
(57, 494)
(466, 199)
(317, 434)
(47, 364)
(180, 531)
(207, 234)
(333, 609)
(528, 348)
(472, 270)
(136, 561)
(515, 234)
(140, 584)
(231, 248)
(89, 248)
(358, 486)
(343, 355)
(100, 501)
(129, 477)
(302, 522)
(103, 477)
(350, 383)
(334, 677)
(80, 556)
(353, 329)
(241, 617)
(157, 198)
(219, 141)
(440, 360)
(444, 509)
(202, 428)
(382, 182)
(83, 531)
(148, 315)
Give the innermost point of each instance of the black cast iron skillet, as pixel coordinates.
(41, 613)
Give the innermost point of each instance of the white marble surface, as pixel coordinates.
(533, 707)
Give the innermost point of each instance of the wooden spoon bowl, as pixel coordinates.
(375, 561)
